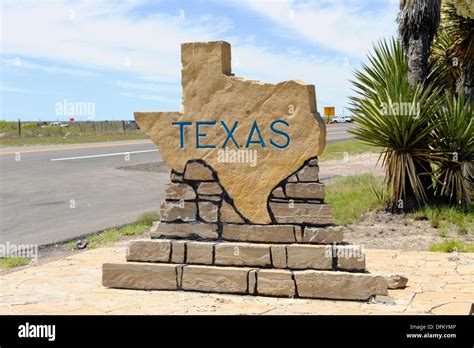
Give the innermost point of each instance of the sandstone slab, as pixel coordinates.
(308, 173)
(228, 214)
(301, 213)
(197, 171)
(140, 276)
(305, 190)
(178, 211)
(180, 191)
(211, 94)
(323, 235)
(181, 231)
(242, 254)
(149, 250)
(199, 253)
(208, 211)
(309, 257)
(260, 233)
(209, 188)
(339, 285)
(272, 282)
(215, 279)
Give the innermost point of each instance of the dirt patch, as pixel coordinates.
(350, 165)
(382, 230)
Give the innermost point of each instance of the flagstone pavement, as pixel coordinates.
(439, 283)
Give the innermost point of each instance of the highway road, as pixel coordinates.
(51, 194)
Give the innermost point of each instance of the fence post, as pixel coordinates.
(19, 127)
(123, 124)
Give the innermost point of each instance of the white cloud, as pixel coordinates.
(102, 35)
(342, 25)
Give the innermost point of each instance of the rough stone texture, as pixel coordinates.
(278, 192)
(242, 254)
(260, 233)
(181, 231)
(305, 190)
(215, 279)
(212, 198)
(149, 251)
(196, 171)
(211, 93)
(275, 283)
(292, 178)
(140, 276)
(339, 285)
(309, 256)
(178, 251)
(313, 162)
(180, 191)
(302, 213)
(209, 188)
(308, 173)
(350, 258)
(228, 214)
(208, 211)
(252, 288)
(323, 235)
(437, 285)
(396, 281)
(178, 211)
(176, 177)
(278, 256)
(199, 253)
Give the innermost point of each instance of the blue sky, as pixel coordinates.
(124, 56)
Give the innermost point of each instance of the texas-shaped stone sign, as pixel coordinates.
(221, 112)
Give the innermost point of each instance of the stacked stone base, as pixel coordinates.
(204, 244)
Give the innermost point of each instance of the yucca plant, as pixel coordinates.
(453, 137)
(394, 115)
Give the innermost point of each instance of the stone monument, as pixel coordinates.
(244, 212)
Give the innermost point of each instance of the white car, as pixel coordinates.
(342, 119)
(59, 124)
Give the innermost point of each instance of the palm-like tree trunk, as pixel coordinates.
(418, 21)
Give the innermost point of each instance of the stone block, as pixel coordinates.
(339, 285)
(209, 188)
(178, 211)
(308, 174)
(323, 235)
(199, 253)
(302, 213)
(228, 214)
(309, 257)
(139, 276)
(252, 280)
(313, 162)
(275, 283)
(306, 190)
(196, 171)
(215, 279)
(350, 258)
(278, 256)
(149, 250)
(242, 254)
(180, 191)
(178, 251)
(278, 192)
(176, 177)
(208, 211)
(260, 233)
(185, 231)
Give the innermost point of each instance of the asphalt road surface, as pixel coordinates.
(50, 194)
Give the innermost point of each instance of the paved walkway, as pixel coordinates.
(438, 283)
